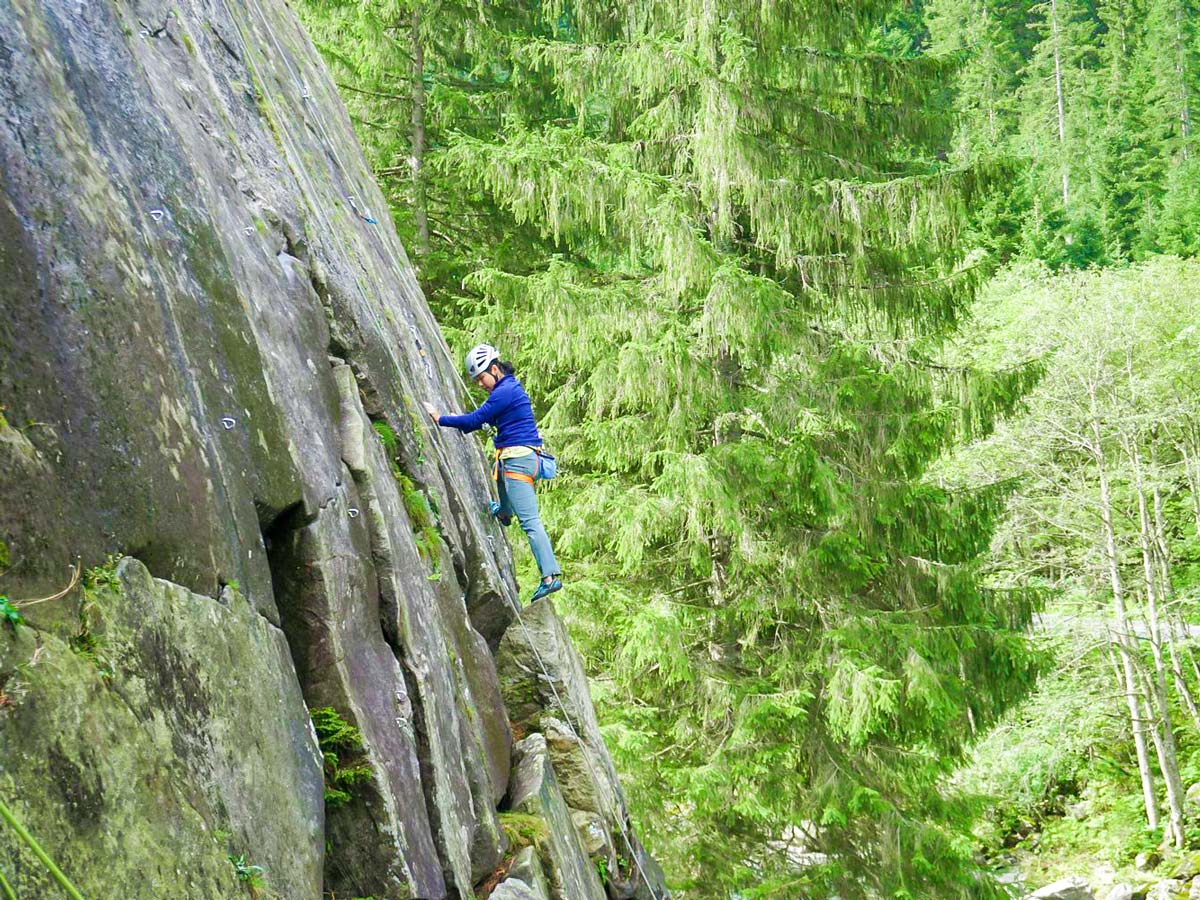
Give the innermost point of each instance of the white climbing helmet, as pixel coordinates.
(480, 358)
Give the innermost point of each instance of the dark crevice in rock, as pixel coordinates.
(281, 523)
(281, 539)
(230, 46)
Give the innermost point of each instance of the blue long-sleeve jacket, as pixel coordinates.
(508, 408)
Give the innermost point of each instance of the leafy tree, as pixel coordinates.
(1104, 441)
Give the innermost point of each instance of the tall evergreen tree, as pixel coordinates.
(738, 254)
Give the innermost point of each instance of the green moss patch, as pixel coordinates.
(524, 830)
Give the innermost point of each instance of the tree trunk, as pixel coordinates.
(1164, 734)
(417, 159)
(1181, 684)
(1159, 731)
(1118, 594)
(1056, 32)
(1191, 468)
(1185, 112)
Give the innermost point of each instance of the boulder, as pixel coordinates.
(545, 689)
(527, 867)
(534, 790)
(1072, 888)
(514, 889)
(143, 763)
(1147, 860)
(1126, 892)
(1169, 889)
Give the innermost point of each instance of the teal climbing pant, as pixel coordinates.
(518, 497)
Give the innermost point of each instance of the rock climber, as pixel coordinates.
(520, 459)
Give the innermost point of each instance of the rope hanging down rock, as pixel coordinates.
(516, 604)
(300, 173)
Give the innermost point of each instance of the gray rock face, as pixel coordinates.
(582, 763)
(1167, 890)
(535, 791)
(213, 351)
(514, 889)
(527, 868)
(1125, 892)
(156, 753)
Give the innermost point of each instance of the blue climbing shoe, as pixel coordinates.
(494, 509)
(544, 589)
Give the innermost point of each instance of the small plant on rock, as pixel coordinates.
(96, 582)
(420, 507)
(524, 830)
(341, 749)
(9, 613)
(254, 877)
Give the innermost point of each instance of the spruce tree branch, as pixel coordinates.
(387, 96)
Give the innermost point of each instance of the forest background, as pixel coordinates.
(866, 336)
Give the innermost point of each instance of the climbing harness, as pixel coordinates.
(545, 468)
(301, 175)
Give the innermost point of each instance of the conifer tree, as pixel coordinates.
(722, 248)
(1055, 93)
(754, 250)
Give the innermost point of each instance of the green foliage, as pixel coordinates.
(387, 437)
(103, 577)
(724, 250)
(5, 559)
(9, 613)
(254, 877)
(523, 830)
(1096, 100)
(99, 583)
(1113, 418)
(341, 747)
(417, 504)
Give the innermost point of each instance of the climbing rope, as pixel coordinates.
(516, 604)
(301, 174)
